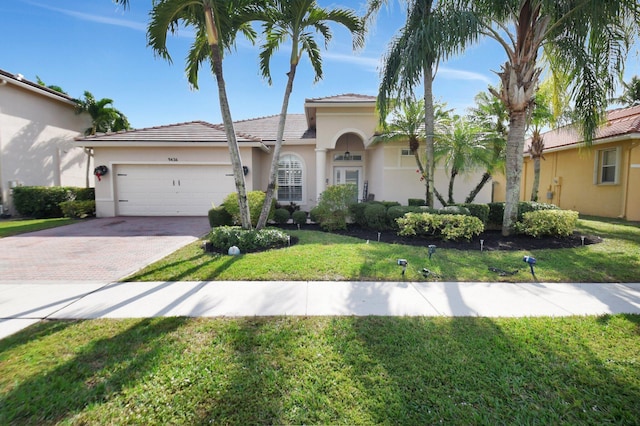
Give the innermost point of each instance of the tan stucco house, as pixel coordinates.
(37, 130)
(600, 180)
(184, 169)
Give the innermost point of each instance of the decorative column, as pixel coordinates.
(321, 171)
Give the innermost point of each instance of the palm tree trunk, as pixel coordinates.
(416, 155)
(232, 142)
(429, 126)
(452, 179)
(89, 152)
(474, 192)
(514, 152)
(536, 179)
(273, 174)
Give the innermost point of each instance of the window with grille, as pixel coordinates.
(290, 178)
(607, 166)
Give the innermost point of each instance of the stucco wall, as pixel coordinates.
(400, 181)
(36, 141)
(569, 176)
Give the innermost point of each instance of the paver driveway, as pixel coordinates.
(96, 250)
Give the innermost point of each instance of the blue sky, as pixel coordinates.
(97, 46)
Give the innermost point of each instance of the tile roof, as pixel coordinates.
(346, 97)
(194, 131)
(619, 122)
(266, 128)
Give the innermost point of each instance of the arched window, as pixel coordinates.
(290, 178)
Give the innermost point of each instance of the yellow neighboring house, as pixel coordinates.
(600, 180)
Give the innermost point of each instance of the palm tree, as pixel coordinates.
(104, 118)
(462, 148)
(406, 124)
(631, 95)
(412, 59)
(491, 115)
(296, 21)
(588, 39)
(216, 23)
(542, 115)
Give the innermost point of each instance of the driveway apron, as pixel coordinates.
(104, 250)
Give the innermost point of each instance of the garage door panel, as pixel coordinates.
(171, 190)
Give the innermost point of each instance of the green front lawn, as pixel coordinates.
(322, 256)
(21, 226)
(370, 370)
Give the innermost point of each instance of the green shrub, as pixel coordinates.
(40, 201)
(397, 212)
(78, 209)
(388, 204)
(455, 209)
(219, 216)
(314, 215)
(223, 237)
(376, 216)
(333, 206)
(84, 194)
(256, 200)
(281, 216)
(299, 217)
(445, 226)
(496, 214)
(552, 222)
(356, 210)
(417, 202)
(481, 211)
(533, 206)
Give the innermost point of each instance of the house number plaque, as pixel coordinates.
(174, 159)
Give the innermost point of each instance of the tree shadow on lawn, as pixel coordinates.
(469, 370)
(100, 369)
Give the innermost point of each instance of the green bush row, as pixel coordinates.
(223, 237)
(228, 213)
(44, 202)
(538, 223)
(78, 209)
(445, 226)
(496, 211)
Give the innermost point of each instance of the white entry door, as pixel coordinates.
(348, 175)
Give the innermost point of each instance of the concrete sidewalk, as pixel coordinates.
(25, 303)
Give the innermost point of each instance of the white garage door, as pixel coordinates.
(171, 190)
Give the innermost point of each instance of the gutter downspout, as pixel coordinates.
(625, 193)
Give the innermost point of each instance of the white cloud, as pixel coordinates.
(455, 74)
(370, 64)
(94, 18)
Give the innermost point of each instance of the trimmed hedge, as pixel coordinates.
(376, 217)
(299, 217)
(445, 226)
(417, 202)
(481, 211)
(256, 200)
(558, 223)
(79, 209)
(281, 216)
(44, 201)
(496, 210)
(223, 237)
(219, 216)
(396, 212)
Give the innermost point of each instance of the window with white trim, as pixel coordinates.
(290, 178)
(607, 166)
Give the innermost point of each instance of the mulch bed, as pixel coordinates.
(492, 240)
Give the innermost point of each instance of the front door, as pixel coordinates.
(348, 175)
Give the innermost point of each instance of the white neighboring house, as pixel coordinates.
(183, 169)
(37, 130)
